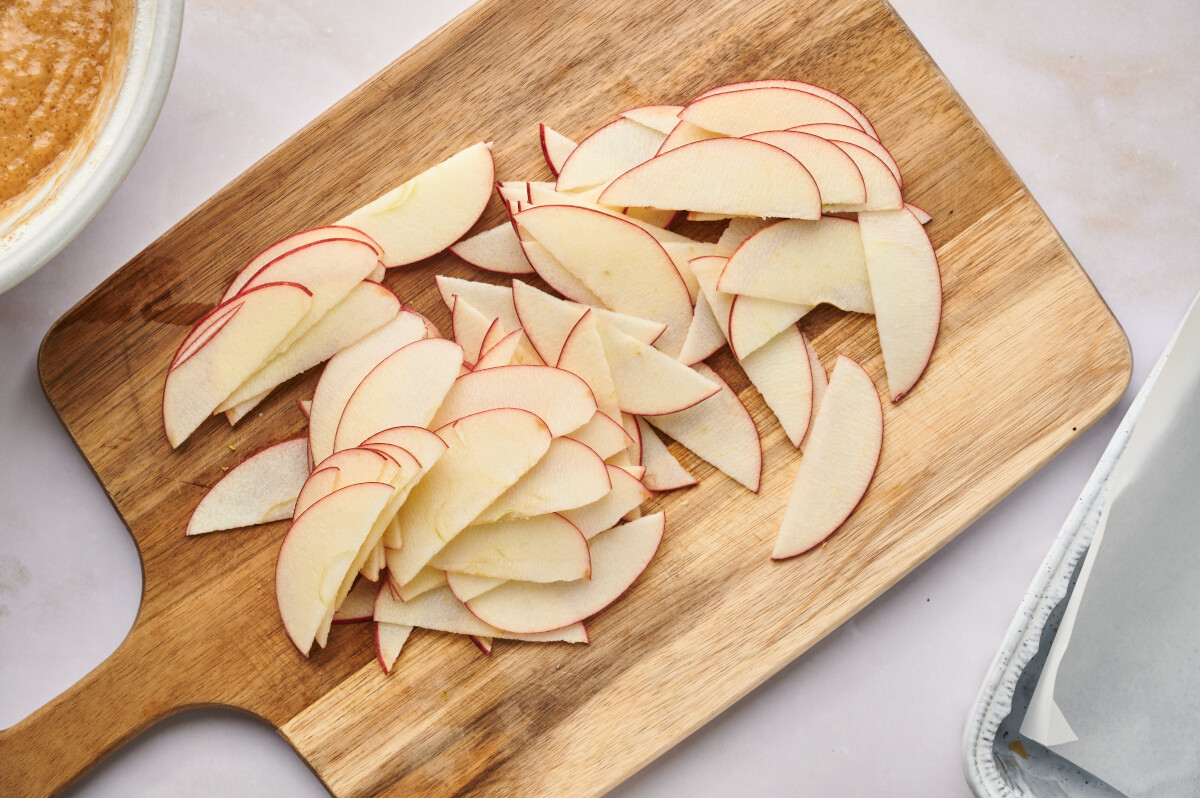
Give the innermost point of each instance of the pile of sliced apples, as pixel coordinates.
(491, 485)
(815, 216)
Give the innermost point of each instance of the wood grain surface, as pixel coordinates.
(1028, 357)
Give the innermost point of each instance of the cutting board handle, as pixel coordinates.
(136, 686)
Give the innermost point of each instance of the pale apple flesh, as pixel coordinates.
(556, 148)
(544, 548)
(663, 471)
(495, 250)
(610, 151)
(261, 489)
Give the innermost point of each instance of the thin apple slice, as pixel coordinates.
(556, 148)
(548, 320)
(470, 328)
(208, 326)
(318, 485)
(922, 216)
(318, 553)
(376, 562)
(305, 406)
(738, 231)
(365, 309)
(428, 578)
(720, 431)
(202, 381)
(493, 301)
(735, 176)
(487, 453)
(422, 444)
(557, 276)
(294, 242)
(820, 385)
(649, 382)
(883, 192)
(781, 372)
(546, 195)
(653, 216)
(662, 118)
(747, 322)
(630, 423)
(907, 287)
(495, 250)
(570, 475)
(513, 349)
(484, 644)
(621, 264)
(820, 91)
(428, 213)
(543, 548)
(746, 111)
(686, 133)
(347, 369)
(260, 489)
(838, 177)
(628, 493)
(612, 150)
(851, 135)
(619, 556)
(359, 605)
(838, 464)
(441, 611)
(389, 640)
(804, 263)
(495, 333)
(602, 435)
(466, 587)
(405, 389)
(705, 335)
(583, 355)
(559, 398)
(663, 471)
(329, 268)
(680, 254)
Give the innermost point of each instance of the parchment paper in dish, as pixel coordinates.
(1120, 693)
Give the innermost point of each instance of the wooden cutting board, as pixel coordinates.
(1029, 356)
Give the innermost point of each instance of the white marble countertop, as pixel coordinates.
(1094, 103)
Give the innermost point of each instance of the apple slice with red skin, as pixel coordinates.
(619, 556)
(705, 336)
(725, 175)
(294, 242)
(260, 489)
(556, 148)
(686, 133)
(470, 328)
(466, 587)
(365, 309)
(428, 213)
(495, 333)
(513, 349)
(541, 194)
(630, 423)
(487, 453)
(745, 111)
(922, 216)
(359, 605)
(493, 301)
(850, 135)
(803, 263)
(907, 286)
(820, 91)
(820, 384)
(662, 118)
(389, 641)
(305, 406)
(738, 230)
(543, 548)
(441, 611)
(426, 579)
(556, 275)
(347, 369)
(583, 355)
(208, 326)
(371, 569)
(838, 464)
(649, 382)
(719, 430)
(619, 263)
(883, 192)
(318, 552)
(781, 372)
(747, 322)
(548, 320)
(320, 483)
(204, 379)
(602, 435)
(569, 475)
(422, 444)
(495, 250)
(559, 398)
(330, 269)
(484, 644)
(838, 177)
(663, 471)
(405, 389)
(610, 151)
(628, 493)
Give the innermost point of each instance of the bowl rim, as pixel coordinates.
(131, 132)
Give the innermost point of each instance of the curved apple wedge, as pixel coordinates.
(318, 553)
(662, 118)
(663, 471)
(618, 558)
(493, 301)
(405, 389)
(200, 382)
(569, 475)
(839, 461)
(907, 287)
(294, 242)
(559, 398)
(782, 373)
(260, 489)
(602, 435)
(852, 135)
(745, 111)
(838, 177)
(359, 605)
(649, 382)
(496, 250)
(627, 494)
(556, 148)
(544, 548)
(738, 177)
(583, 355)
(820, 91)
(389, 641)
(320, 483)
(439, 610)
(610, 151)
(431, 211)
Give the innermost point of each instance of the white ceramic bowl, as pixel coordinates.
(46, 220)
